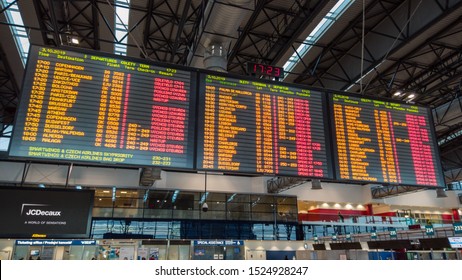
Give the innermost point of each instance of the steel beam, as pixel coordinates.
(389, 191)
(279, 184)
(181, 24)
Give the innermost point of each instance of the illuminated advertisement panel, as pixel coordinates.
(45, 213)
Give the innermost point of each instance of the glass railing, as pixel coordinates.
(320, 225)
(376, 220)
(191, 229)
(179, 205)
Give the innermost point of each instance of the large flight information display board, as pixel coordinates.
(256, 127)
(386, 142)
(85, 107)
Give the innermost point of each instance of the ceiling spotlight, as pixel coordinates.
(41, 186)
(398, 93)
(74, 41)
(410, 96)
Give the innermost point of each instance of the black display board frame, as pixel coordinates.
(196, 124)
(23, 106)
(200, 125)
(438, 167)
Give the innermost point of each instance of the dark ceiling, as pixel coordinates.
(409, 46)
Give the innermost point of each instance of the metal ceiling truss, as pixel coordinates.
(449, 122)
(168, 25)
(280, 184)
(448, 119)
(169, 30)
(388, 191)
(452, 135)
(306, 13)
(454, 175)
(384, 23)
(9, 92)
(342, 45)
(60, 21)
(197, 33)
(432, 69)
(180, 30)
(436, 82)
(452, 156)
(270, 32)
(245, 32)
(8, 6)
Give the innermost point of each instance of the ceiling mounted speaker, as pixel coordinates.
(316, 184)
(440, 193)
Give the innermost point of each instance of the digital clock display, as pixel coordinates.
(265, 70)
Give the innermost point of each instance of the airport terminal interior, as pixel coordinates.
(231, 130)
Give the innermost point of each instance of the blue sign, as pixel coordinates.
(457, 228)
(456, 242)
(218, 243)
(373, 234)
(429, 230)
(348, 236)
(50, 242)
(393, 233)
